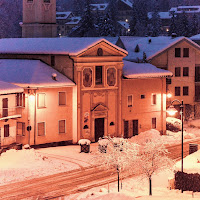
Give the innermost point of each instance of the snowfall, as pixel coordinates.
(19, 165)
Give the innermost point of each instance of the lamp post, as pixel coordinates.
(171, 111)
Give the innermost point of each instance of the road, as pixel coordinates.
(63, 184)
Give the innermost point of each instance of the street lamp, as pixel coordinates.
(172, 111)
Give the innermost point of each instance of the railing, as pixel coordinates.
(9, 112)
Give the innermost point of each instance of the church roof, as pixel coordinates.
(31, 73)
(66, 45)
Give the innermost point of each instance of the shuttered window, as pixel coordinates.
(41, 128)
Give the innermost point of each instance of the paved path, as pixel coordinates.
(63, 184)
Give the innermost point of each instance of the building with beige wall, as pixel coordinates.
(178, 55)
(95, 86)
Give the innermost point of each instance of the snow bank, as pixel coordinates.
(146, 136)
(191, 164)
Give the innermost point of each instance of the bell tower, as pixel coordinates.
(39, 18)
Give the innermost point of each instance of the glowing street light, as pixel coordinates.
(172, 111)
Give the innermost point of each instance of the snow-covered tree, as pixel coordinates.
(106, 26)
(194, 25)
(172, 28)
(87, 27)
(153, 155)
(78, 7)
(120, 154)
(156, 22)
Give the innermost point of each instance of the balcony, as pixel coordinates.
(10, 113)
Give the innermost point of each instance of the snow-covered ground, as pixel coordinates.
(137, 188)
(27, 164)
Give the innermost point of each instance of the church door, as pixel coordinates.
(99, 128)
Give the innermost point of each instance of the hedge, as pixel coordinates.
(187, 182)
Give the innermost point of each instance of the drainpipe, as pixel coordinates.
(35, 119)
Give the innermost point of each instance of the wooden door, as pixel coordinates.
(135, 127)
(5, 107)
(99, 128)
(126, 128)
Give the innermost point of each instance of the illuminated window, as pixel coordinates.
(21, 128)
(154, 123)
(153, 99)
(62, 98)
(20, 100)
(177, 71)
(177, 91)
(41, 128)
(177, 52)
(130, 100)
(41, 100)
(186, 52)
(6, 130)
(62, 128)
(185, 91)
(185, 71)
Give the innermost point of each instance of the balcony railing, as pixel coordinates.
(9, 113)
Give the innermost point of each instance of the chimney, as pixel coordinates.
(174, 35)
(54, 76)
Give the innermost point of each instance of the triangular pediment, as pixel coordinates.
(100, 107)
(108, 49)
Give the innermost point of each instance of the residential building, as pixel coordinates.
(180, 56)
(76, 88)
(61, 19)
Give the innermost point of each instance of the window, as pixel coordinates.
(52, 61)
(6, 130)
(154, 123)
(177, 71)
(153, 99)
(177, 91)
(142, 96)
(185, 71)
(46, 1)
(98, 75)
(177, 52)
(62, 98)
(197, 74)
(185, 91)
(29, 1)
(168, 81)
(21, 128)
(41, 100)
(130, 100)
(41, 128)
(20, 100)
(186, 52)
(62, 126)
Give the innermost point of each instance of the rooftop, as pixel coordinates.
(31, 73)
(8, 88)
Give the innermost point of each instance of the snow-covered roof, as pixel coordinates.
(195, 37)
(32, 73)
(156, 46)
(74, 20)
(143, 70)
(124, 24)
(65, 45)
(63, 15)
(127, 2)
(163, 15)
(186, 9)
(99, 6)
(8, 88)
